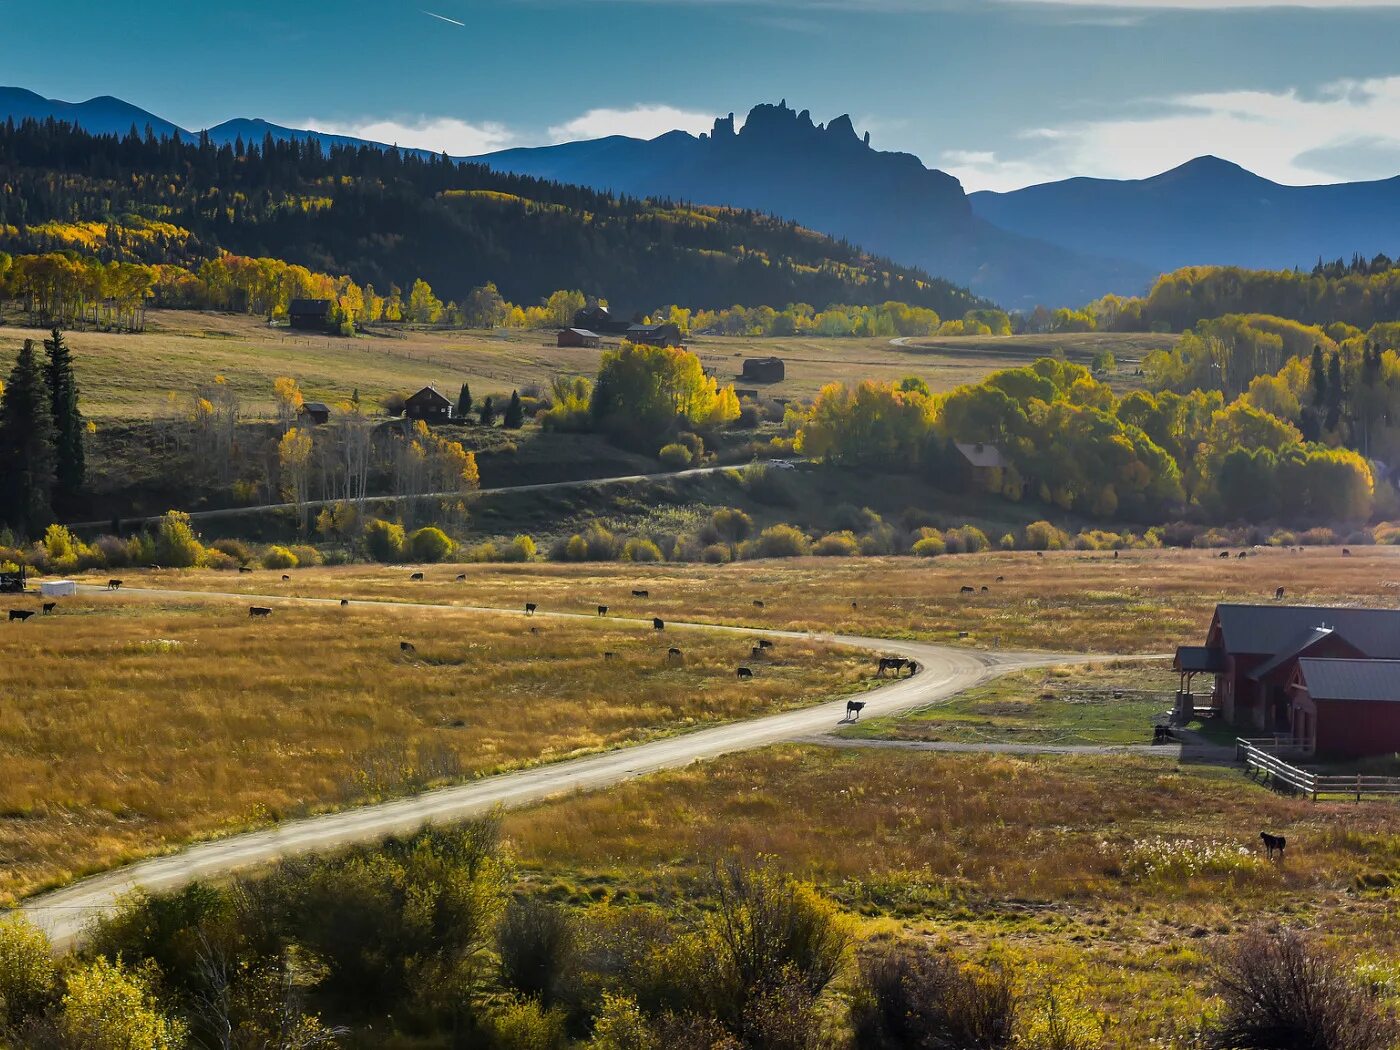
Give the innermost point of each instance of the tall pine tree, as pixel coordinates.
(514, 417)
(464, 402)
(70, 466)
(26, 447)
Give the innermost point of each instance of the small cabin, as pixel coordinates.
(312, 315)
(666, 334)
(581, 338)
(317, 413)
(764, 370)
(429, 406)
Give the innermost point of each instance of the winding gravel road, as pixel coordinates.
(943, 672)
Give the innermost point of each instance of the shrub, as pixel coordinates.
(235, 549)
(715, 554)
(523, 1024)
(638, 549)
(279, 558)
(535, 943)
(176, 545)
(484, 551)
(1042, 536)
(1317, 537)
(1062, 1022)
(879, 540)
(112, 550)
(27, 971)
(749, 416)
(972, 539)
(766, 485)
(1281, 991)
(929, 547)
(520, 549)
(384, 540)
(677, 457)
(306, 555)
(1360, 538)
(219, 560)
(1387, 532)
(908, 999)
(393, 403)
(1284, 538)
(780, 541)
(837, 545)
(600, 544)
(621, 1025)
(1008, 542)
(430, 544)
(107, 1007)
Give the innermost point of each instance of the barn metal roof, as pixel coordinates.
(1373, 680)
(980, 455)
(1268, 629)
(1199, 658)
(1299, 644)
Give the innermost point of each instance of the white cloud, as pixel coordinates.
(456, 137)
(639, 122)
(1338, 133)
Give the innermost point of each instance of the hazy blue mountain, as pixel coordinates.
(101, 116)
(1206, 211)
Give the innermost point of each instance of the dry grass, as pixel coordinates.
(185, 348)
(131, 725)
(1143, 601)
(1113, 873)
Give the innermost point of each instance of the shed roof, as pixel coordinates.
(1374, 680)
(429, 394)
(1199, 658)
(1267, 629)
(1298, 645)
(980, 455)
(585, 333)
(315, 406)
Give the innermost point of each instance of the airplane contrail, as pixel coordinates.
(444, 18)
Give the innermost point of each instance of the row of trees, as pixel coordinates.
(42, 458)
(1064, 438)
(883, 320)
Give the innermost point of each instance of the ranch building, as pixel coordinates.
(429, 406)
(312, 315)
(666, 334)
(595, 318)
(764, 370)
(1326, 678)
(317, 413)
(580, 337)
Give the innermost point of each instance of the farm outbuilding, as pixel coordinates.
(764, 370)
(595, 318)
(580, 337)
(429, 406)
(318, 413)
(309, 314)
(1326, 677)
(655, 334)
(58, 588)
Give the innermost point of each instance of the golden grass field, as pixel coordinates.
(130, 725)
(1066, 601)
(131, 376)
(1117, 871)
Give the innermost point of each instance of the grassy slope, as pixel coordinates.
(130, 725)
(133, 376)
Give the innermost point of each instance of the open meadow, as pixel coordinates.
(133, 376)
(130, 725)
(1141, 601)
(1116, 874)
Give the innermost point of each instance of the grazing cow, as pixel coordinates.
(255, 611)
(20, 614)
(244, 568)
(1242, 554)
(853, 709)
(114, 585)
(675, 657)
(1224, 554)
(534, 630)
(1040, 554)
(968, 590)
(764, 643)
(891, 663)
(744, 672)
(1115, 555)
(416, 576)
(1278, 595)
(530, 608)
(461, 577)
(1346, 552)
(757, 604)
(964, 634)
(658, 624)
(407, 647)
(985, 588)
(854, 606)
(602, 610)
(1161, 734)
(610, 656)
(1001, 579)
(1273, 844)
(641, 594)
(50, 606)
(285, 577)
(345, 601)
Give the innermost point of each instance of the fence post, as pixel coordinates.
(1358, 787)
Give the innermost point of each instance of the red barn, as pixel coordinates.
(1346, 708)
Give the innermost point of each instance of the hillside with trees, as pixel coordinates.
(387, 218)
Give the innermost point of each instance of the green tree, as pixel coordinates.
(108, 1007)
(26, 446)
(488, 413)
(69, 465)
(423, 306)
(464, 402)
(733, 526)
(514, 417)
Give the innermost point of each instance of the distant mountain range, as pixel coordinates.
(1061, 243)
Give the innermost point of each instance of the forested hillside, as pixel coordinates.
(385, 218)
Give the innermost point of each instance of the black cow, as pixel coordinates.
(1001, 579)
(407, 647)
(20, 614)
(854, 708)
(757, 604)
(968, 590)
(530, 608)
(1273, 844)
(744, 672)
(985, 588)
(285, 577)
(764, 643)
(1278, 595)
(114, 585)
(244, 568)
(640, 594)
(50, 606)
(1346, 553)
(1224, 554)
(891, 663)
(461, 576)
(658, 624)
(345, 601)
(602, 610)
(416, 576)
(609, 656)
(255, 611)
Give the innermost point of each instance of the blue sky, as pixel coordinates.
(1000, 93)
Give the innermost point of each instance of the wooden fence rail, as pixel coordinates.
(1265, 758)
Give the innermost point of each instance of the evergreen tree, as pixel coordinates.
(1318, 370)
(69, 461)
(1335, 392)
(488, 413)
(464, 402)
(514, 418)
(26, 447)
